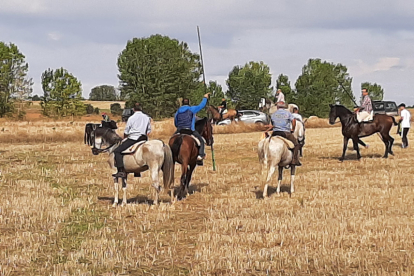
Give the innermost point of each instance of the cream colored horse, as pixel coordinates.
(153, 155)
(273, 152)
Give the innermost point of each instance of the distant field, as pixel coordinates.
(98, 104)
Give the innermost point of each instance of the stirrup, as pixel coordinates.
(200, 158)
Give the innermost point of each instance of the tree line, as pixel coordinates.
(158, 72)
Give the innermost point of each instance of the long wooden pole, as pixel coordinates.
(205, 89)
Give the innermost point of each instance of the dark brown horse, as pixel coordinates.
(185, 152)
(217, 116)
(351, 129)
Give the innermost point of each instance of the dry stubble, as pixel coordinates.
(351, 217)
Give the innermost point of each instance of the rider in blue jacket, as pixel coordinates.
(185, 118)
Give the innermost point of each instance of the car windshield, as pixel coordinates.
(378, 106)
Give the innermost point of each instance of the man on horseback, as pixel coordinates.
(185, 119)
(296, 114)
(279, 97)
(223, 106)
(136, 130)
(282, 120)
(365, 110)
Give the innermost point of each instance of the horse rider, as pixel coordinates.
(185, 118)
(365, 110)
(105, 117)
(223, 106)
(136, 130)
(296, 114)
(279, 97)
(282, 120)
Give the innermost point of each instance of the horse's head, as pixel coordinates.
(205, 129)
(103, 136)
(333, 114)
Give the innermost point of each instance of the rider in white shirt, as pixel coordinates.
(405, 124)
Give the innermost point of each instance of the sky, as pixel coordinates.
(373, 38)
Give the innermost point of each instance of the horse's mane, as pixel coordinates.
(343, 107)
(215, 108)
(199, 125)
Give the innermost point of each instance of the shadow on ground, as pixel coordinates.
(272, 190)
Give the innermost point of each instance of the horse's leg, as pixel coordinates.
(391, 142)
(292, 179)
(155, 171)
(189, 174)
(116, 192)
(279, 180)
(184, 169)
(344, 148)
(388, 141)
(124, 188)
(356, 147)
(361, 143)
(271, 170)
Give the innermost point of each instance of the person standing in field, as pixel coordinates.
(405, 124)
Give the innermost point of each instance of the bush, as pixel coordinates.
(116, 109)
(89, 109)
(96, 110)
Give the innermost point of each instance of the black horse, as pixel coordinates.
(352, 129)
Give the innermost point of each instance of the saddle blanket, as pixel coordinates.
(287, 142)
(133, 148)
(367, 119)
(194, 138)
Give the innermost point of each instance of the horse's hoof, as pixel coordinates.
(391, 152)
(115, 204)
(385, 157)
(341, 159)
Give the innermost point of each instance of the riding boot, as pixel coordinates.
(295, 159)
(121, 173)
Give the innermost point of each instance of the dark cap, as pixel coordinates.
(402, 104)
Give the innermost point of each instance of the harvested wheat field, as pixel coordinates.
(56, 214)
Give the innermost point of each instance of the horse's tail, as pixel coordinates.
(175, 147)
(394, 121)
(168, 167)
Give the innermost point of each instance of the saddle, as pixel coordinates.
(190, 133)
(287, 142)
(132, 149)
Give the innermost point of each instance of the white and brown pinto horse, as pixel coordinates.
(153, 155)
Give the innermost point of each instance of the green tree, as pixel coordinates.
(62, 94)
(375, 91)
(116, 109)
(321, 84)
(283, 84)
(156, 71)
(248, 84)
(216, 95)
(14, 84)
(103, 93)
(36, 98)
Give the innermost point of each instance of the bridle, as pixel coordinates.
(95, 149)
